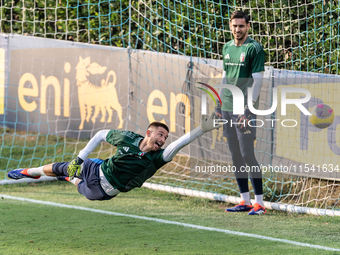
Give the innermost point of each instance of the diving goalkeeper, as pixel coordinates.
(137, 159)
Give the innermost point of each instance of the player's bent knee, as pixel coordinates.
(92, 192)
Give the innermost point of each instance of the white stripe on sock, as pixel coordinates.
(36, 171)
(74, 180)
(259, 199)
(246, 197)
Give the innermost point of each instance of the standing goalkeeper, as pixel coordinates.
(137, 159)
(243, 63)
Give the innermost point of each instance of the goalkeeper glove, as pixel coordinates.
(209, 123)
(74, 168)
(243, 120)
(218, 110)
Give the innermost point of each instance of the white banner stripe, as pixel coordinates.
(171, 222)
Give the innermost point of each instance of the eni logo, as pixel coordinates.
(103, 98)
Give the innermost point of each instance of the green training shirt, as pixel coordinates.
(130, 167)
(239, 63)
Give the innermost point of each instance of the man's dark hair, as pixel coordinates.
(159, 124)
(239, 15)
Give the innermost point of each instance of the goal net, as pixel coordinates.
(68, 70)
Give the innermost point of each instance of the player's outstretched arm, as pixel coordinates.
(74, 167)
(207, 124)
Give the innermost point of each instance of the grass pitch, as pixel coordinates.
(27, 228)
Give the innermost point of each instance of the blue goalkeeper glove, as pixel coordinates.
(74, 168)
(245, 118)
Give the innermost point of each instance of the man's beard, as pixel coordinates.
(241, 36)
